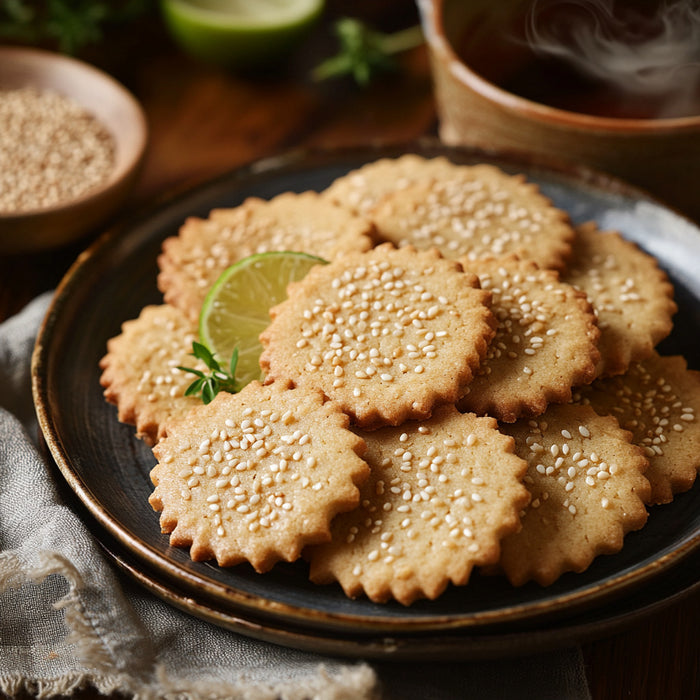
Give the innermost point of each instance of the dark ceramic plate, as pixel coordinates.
(493, 641)
(108, 468)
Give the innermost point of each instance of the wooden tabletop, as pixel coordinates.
(204, 121)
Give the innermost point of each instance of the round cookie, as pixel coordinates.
(658, 401)
(441, 495)
(476, 211)
(361, 189)
(545, 341)
(256, 476)
(192, 261)
(388, 334)
(631, 296)
(140, 372)
(588, 490)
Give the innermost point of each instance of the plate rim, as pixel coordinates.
(471, 644)
(246, 602)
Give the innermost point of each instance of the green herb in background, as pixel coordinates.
(207, 386)
(365, 52)
(69, 24)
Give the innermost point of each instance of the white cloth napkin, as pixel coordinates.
(69, 619)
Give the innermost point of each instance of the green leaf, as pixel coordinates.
(202, 352)
(209, 391)
(234, 362)
(198, 372)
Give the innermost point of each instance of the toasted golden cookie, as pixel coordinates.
(192, 261)
(140, 370)
(441, 495)
(658, 401)
(545, 342)
(388, 334)
(256, 476)
(630, 294)
(476, 211)
(588, 491)
(361, 189)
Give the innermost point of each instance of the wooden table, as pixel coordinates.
(205, 121)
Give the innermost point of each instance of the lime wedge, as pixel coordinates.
(236, 309)
(239, 33)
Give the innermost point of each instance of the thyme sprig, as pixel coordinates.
(70, 24)
(208, 385)
(364, 51)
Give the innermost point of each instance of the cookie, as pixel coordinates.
(588, 491)
(256, 476)
(477, 211)
(658, 401)
(192, 261)
(631, 295)
(388, 334)
(442, 493)
(545, 341)
(361, 189)
(140, 372)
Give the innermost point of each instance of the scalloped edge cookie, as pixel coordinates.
(476, 211)
(388, 334)
(442, 493)
(191, 261)
(658, 401)
(588, 491)
(256, 476)
(545, 343)
(140, 372)
(631, 296)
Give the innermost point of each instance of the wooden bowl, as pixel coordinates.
(112, 105)
(661, 155)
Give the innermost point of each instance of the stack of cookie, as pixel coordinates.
(471, 382)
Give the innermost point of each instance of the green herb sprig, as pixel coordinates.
(208, 385)
(365, 52)
(70, 24)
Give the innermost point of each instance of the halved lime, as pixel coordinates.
(236, 309)
(239, 33)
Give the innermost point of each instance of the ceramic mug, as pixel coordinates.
(661, 155)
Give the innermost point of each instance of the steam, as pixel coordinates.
(655, 55)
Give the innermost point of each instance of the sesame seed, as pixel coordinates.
(69, 153)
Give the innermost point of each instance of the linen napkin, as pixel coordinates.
(69, 619)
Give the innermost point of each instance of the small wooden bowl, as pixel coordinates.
(117, 110)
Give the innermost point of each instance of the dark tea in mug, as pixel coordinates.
(633, 59)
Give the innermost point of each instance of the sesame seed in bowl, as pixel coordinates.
(72, 140)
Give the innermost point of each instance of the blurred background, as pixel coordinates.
(205, 119)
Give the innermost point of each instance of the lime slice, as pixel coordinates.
(236, 309)
(239, 33)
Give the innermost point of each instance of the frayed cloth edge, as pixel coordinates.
(89, 647)
(353, 682)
